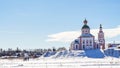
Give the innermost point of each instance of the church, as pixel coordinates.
(87, 41)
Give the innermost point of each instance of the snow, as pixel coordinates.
(94, 53)
(76, 62)
(65, 59)
(97, 53)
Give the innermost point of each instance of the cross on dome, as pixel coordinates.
(100, 26)
(85, 21)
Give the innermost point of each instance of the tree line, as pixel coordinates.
(33, 53)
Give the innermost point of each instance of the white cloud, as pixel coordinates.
(69, 36)
(64, 36)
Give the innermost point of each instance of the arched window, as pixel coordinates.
(83, 46)
(90, 42)
(86, 41)
(83, 41)
(76, 46)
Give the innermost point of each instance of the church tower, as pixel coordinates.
(101, 37)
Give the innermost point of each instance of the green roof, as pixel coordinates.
(86, 26)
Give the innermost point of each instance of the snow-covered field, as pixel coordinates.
(75, 62)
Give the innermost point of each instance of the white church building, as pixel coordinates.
(87, 41)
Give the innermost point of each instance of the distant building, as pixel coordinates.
(87, 41)
(113, 50)
(113, 45)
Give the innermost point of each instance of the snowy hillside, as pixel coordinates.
(80, 53)
(65, 59)
(94, 53)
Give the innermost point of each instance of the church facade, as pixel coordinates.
(87, 41)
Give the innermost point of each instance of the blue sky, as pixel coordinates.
(29, 23)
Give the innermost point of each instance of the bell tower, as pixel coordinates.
(101, 38)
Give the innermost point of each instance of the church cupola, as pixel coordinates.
(85, 28)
